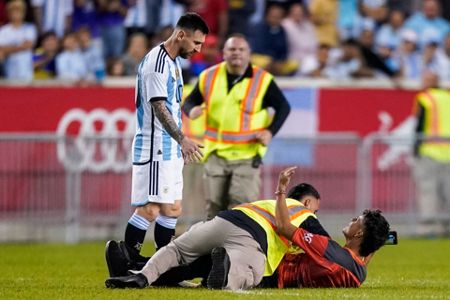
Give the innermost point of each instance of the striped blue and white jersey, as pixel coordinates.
(159, 79)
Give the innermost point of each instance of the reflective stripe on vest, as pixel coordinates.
(231, 137)
(270, 218)
(209, 80)
(292, 210)
(434, 114)
(250, 98)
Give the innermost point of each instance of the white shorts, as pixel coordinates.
(157, 181)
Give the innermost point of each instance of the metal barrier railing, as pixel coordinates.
(75, 188)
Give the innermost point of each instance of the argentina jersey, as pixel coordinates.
(159, 79)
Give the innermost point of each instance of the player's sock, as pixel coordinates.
(135, 234)
(164, 230)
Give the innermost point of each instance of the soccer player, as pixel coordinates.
(325, 263)
(159, 147)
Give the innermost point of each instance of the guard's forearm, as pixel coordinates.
(167, 121)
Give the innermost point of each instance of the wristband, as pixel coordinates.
(280, 192)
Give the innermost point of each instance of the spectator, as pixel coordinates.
(270, 46)
(215, 14)
(433, 59)
(258, 14)
(239, 14)
(375, 10)
(317, 65)
(410, 60)
(17, 39)
(324, 16)
(92, 55)
(446, 54)
(432, 163)
(428, 22)
(300, 32)
(350, 63)
(115, 67)
(386, 52)
(53, 15)
(370, 59)
(390, 32)
(70, 64)
(407, 7)
(209, 56)
(137, 49)
(170, 12)
(85, 15)
(111, 17)
(136, 18)
(44, 58)
(347, 18)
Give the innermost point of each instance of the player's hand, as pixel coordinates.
(285, 178)
(196, 112)
(191, 150)
(264, 137)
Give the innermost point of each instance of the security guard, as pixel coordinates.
(243, 242)
(432, 150)
(234, 97)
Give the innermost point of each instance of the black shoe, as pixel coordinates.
(117, 262)
(136, 281)
(218, 277)
(135, 260)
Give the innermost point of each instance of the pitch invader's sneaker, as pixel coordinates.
(117, 262)
(135, 281)
(218, 277)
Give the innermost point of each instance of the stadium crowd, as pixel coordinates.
(85, 40)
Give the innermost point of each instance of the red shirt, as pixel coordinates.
(324, 264)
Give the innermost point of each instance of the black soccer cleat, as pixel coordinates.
(135, 281)
(118, 263)
(218, 277)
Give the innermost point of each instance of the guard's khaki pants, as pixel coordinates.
(247, 261)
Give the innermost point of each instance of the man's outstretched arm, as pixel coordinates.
(284, 226)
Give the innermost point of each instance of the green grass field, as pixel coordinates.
(414, 269)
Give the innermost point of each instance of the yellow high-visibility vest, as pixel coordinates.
(436, 103)
(234, 118)
(263, 213)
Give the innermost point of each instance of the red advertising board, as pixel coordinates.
(49, 109)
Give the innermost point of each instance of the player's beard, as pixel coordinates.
(186, 54)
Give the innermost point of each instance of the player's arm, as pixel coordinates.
(284, 226)
(156, 88)
(166, 119)
(190, 149)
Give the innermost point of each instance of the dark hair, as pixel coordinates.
(302, 190)
(192, 21)
(376, 230)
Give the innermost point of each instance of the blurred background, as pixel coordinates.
(350, 69)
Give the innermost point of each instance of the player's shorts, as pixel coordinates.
(157, 181)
